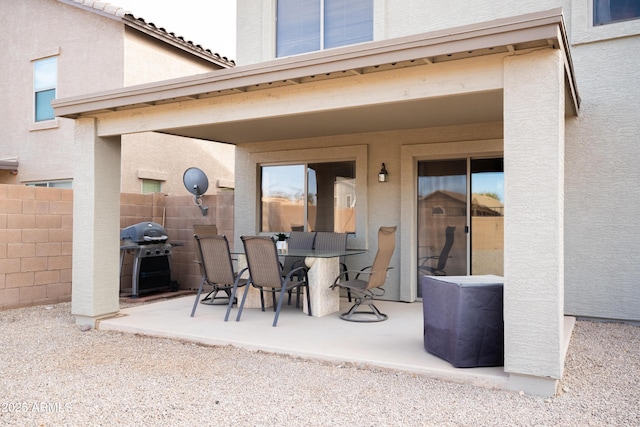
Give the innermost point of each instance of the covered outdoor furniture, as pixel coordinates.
(265, 274)
(365, 290)
(217, 270)
(424, 266)
(463, 320)
(328, 241)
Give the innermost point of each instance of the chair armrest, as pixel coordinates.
(300, 271)
(422, 261)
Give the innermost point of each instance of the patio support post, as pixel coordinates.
(96, 224)
(534, 202)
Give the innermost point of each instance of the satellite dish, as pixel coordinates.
(196, 183)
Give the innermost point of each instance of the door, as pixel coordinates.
(460, 217)
(487, 216)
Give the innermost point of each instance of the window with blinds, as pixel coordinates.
(151, 186)
(45, 78)
(311, 25)
(610, 11)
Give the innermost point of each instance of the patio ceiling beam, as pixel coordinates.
(481, 75)
(523, 32)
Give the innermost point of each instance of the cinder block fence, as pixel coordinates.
(36, 238)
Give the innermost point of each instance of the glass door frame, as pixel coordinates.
(410, 155)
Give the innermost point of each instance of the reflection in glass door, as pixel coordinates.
(448, 211)
(442, 218)
(487, 216)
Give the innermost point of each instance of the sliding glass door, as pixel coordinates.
(487, 216)
(460, 217)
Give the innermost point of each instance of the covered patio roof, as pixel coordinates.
(513, 35)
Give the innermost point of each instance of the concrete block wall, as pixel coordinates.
(36, 229)
(36, 233)
(181, 216)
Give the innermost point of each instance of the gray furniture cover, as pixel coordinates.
(463, 321)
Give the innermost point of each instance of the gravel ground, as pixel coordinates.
(55, 374)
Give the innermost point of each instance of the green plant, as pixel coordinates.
(281, 237)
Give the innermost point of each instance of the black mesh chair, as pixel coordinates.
(297, 240)
(327, 241)
(438, 269)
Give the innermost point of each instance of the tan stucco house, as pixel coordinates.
(533, 105)
(63, 48)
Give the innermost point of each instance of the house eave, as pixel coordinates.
(177, 41)
(514, 35)
(120, 14)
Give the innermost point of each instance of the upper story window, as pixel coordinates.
(45, 78)
(609, 11)
(311, 25)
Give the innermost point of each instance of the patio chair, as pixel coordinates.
(364, 291)
(438, 269)
(265, 274)
(216, 267)
(327, 241)
(205, 230)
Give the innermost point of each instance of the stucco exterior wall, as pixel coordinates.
(602, 175)
(256, 31)
(149, 60)
(108, 55)
(39, 29)
(162, 157)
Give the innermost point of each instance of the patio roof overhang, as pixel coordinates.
(500, 37)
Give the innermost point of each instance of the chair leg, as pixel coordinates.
(232, 297)
(282, 293)
(195, 304)
(308, 299)
(244, 297)
(297, 296)
(379, 317)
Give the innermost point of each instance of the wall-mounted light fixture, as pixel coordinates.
(383, 175)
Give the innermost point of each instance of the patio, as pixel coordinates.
(394, 344)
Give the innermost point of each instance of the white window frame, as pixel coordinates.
(40, 87)
(66, 183)
(322, 35)
(146, 181)
(583, 30)
(612, 21)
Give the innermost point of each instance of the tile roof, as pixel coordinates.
(128, 18)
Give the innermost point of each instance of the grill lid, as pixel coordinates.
(144, 232)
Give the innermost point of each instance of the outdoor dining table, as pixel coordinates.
(324, 267)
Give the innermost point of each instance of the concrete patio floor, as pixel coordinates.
(396, 343)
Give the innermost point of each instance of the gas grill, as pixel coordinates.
(148, 242)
